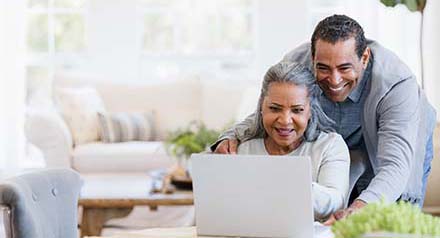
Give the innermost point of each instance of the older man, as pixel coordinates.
(378, 108)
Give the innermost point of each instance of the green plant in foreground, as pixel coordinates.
(400, 218)
(193, 139)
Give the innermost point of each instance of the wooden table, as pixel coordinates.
(181, 232)
(107, 196)
(433, 210)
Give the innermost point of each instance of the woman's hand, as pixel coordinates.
(227, 146)
(341, 214)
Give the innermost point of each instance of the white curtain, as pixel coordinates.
(12, 83)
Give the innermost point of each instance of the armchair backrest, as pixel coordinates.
(41, 204)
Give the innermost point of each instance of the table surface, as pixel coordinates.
(124, 190)
(181, 232)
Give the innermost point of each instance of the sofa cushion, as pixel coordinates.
(135, 156)
(124, 127)
(79, 108)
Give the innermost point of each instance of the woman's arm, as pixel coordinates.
(330, 191)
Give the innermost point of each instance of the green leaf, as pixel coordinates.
(195, 138)
(412, 5)
(389, 3)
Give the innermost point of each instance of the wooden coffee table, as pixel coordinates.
(107, 196)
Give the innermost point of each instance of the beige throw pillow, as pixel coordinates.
(122, 127)
(79, 108)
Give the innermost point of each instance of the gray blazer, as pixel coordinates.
(396, 120)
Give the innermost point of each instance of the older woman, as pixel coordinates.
(294, 124)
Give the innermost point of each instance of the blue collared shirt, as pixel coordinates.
(347, 114)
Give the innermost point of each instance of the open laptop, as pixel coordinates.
(252, 195)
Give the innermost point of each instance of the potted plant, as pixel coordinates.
(180, 144)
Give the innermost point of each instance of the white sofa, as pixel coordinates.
(175, 105)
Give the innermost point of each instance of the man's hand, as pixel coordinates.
(341, 214)
(228, 146)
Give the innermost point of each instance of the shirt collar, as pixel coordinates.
(356, 94)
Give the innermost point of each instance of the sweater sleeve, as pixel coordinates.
(330, 191)
(398, 122)
(241, 131)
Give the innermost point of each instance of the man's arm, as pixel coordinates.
(398, 120)
(240, 132)
(397, 132)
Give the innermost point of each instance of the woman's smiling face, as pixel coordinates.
(285, 113)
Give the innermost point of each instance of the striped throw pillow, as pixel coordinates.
(122, 127)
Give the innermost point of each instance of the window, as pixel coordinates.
(149, 39)
(197, 37)
(55, 39)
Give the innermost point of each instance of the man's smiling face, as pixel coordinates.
(338, 69)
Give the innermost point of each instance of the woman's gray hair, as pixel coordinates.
(295, 73)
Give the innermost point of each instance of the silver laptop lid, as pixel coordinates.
(252, 196)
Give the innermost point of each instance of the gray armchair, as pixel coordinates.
(41, 204)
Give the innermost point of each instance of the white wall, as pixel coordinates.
(12, 83)
(432, 53)
(2, 82)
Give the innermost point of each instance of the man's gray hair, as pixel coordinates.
(295, 73)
